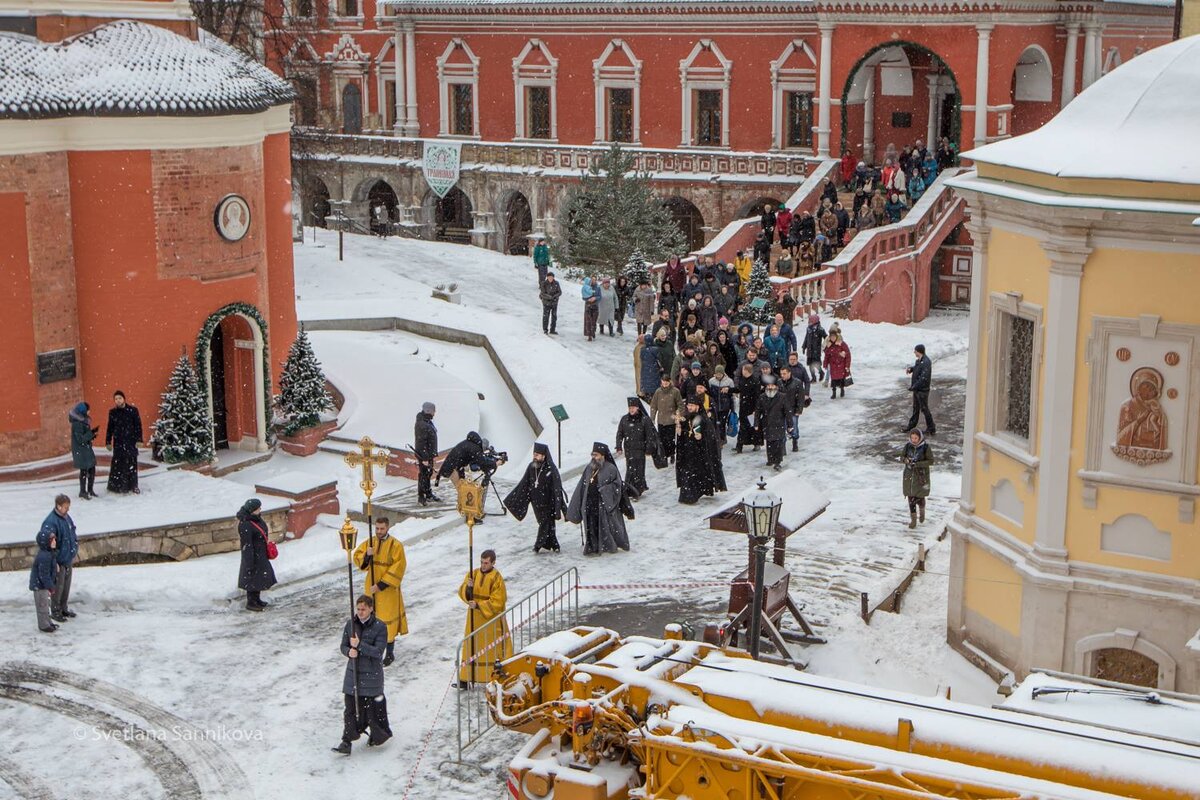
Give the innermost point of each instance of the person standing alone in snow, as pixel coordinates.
(82, 455)
(636, 437)
(256, 574)
(425, 449)
(918, 458)
(541, 260)
(363, 642)
(384, 565)
(541, 488)
(549, 293)
(122, 437)
(922, 378)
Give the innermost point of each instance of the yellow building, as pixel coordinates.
(1076, 545)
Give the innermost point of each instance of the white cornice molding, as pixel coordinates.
(66, 134)
(115, 9)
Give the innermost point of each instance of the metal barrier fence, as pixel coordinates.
(551, 608)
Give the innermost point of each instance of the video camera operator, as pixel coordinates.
(471, 453)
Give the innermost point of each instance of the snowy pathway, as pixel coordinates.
(279, 672)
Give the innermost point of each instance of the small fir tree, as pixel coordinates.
(613, 213)
(183, 433)
(759, 286)
(638, 269)
(302, 395)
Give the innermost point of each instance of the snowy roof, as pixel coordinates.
(801, 500)
(1137, 123)
(129, 68)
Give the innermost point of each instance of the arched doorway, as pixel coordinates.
(316, 202)
(518, 225)
(1032, 91)
(234, 373)
(351, 108)
(896, 94)
(1124, 666)
(755, 208)
(689, 220)
(452, 218)
(383, 206)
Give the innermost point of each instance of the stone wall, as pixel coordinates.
(171, 543)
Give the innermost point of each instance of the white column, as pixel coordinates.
(410, 79)
(1069, 65)
(1091, 54)
(685, 120)
(868, 142)
(979, 230)
(824, 123)
(981, 83)
(931, 134)
(1067, 253)
(260, 411)
(398, 64)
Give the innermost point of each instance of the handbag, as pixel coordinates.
(272, 548)
(849, 381)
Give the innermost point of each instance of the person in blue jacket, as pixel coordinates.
(777, 348)
(41, 578)
(59, 523)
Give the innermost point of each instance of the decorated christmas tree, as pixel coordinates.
(183, 433)
(759, 288)
(302, 395)
(638, 269)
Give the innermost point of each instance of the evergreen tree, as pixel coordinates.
(759, 286)
(302, 395)
(183, 433)
(613, 214)
(638, 269)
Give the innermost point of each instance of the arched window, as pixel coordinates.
(1033, 81)
(704, 79)
(617, 74)
(458, 88)
(535, 78)
(793, 83)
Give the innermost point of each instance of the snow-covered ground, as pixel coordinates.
(187, 650)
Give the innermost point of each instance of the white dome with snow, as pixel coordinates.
(129, 68)
(1140, 122)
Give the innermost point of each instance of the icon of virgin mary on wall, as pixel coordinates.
(1142, 423)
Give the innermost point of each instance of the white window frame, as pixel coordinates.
(527, 75)
(790, 79)
(385, 73)
(1002, 307)
(454, 74)
(692, 79)
(617, 77)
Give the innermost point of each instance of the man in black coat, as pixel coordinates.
(637, 437)
(768, 224)
(749, 388)
(549, 294)
(774, 420)
(541, 488)
(256, 574)
(122, 437)
(698, 471)
(425, 448)
(467, 453)
(363, 641)
(794, 392)
(922, 378)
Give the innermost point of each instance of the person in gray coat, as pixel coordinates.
(42, 578)
(364, 640)
(82, 455)
(607, 305)
(598, 503)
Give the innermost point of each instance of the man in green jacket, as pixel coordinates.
(541, 260)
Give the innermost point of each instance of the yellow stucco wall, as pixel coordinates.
(1190, 22)
(1016, 263)
(1145, 190)
(992, 589)
(1128, 283)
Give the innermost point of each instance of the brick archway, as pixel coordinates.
(235, 378)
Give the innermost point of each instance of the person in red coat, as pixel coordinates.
(849, 162)
(783, 221)
(675, 274)
(837, 362)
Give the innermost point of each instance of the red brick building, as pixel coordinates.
(141, 215)
(730, 104)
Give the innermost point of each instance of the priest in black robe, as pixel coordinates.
(600, 503)
(540, 488)
(698, 471)
(122, 437)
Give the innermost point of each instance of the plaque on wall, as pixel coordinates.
(57, 365)
(901, 119)
(232, 217)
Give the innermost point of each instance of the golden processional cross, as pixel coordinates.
(366, 460)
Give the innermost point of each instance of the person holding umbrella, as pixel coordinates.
(363, 642)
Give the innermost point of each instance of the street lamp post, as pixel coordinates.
(339, 210)
(761, 508)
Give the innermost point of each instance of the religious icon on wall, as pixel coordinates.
(1142, 422)
(232, 217)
